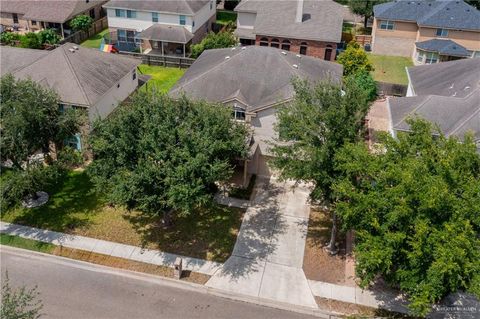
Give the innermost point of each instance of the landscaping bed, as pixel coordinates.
(318, 264)
(74, 208)
(390, 69)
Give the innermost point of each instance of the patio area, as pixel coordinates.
(165, 40)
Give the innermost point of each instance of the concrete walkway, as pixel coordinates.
(109, 248)
(268, 256)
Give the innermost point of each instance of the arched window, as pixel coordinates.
(264, 42)
(328, 53)
(275, 43)
(286, 45)
(303, 48)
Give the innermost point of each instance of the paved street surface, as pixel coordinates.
(72, 289)
(268, 255)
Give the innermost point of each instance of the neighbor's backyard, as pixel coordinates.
(390, 68)
(75, 208)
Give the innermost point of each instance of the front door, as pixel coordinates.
(328, 54)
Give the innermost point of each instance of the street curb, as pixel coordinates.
(316, 312)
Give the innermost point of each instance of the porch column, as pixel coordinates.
(141, 46)
(61, 28)
(184, 50)
(161, 43)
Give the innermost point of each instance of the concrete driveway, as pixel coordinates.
(267, 258)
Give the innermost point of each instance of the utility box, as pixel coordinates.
(177, 272)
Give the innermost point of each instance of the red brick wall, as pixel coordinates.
(314, 48)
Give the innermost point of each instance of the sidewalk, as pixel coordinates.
(109, 248)
(268, 256)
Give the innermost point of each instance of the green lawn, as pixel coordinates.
(390, 68)
(162, 78)
(29, 244)
(224, 17)
(76, 209)
(94, 41)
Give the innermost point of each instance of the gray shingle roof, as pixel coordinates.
(169, 33)
(80, 78)
(48, 10)
(444, 47)
(322, 19)
(255, 76)
(435, 13)
(448, 94)
(13, 59)
(187, 7)
(454, 78)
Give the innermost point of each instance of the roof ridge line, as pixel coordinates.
(429, 97)
(36, 60)
(209, 70)
(465, 119)
(75, 75)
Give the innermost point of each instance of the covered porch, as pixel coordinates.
(165, 40)
(439, 50)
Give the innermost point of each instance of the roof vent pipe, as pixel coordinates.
(299, 16)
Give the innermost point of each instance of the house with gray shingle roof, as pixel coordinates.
(233, 77)
(429, 31)
(166, 27)
(446, 94)
(33, 15)
(83, 78)
(308, 27)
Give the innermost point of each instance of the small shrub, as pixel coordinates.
(214, 41)
(70, 158)
(21, 183)
(354, 59)
(31, 41)
(9, 38)
(21, 303)
(49, 36)
(81, 23)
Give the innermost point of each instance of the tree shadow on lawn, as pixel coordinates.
(72, 204)
(207, 233)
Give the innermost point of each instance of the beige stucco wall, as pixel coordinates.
(468, 39)
(400, 41)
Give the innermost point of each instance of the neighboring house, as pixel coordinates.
(33, 15)
(82, 77)
(428, 31)
(160, 27)
(310, 27)
(446, 94)
(233, 77)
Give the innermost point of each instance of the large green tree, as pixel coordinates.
(364, 8)
(163, 156)
(320, 120)
(30, 120)
(415, 205)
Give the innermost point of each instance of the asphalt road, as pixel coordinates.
(72, 289)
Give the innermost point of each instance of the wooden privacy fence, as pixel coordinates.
(80, 36)
(161, 60)
(363, 39)
(391, 89)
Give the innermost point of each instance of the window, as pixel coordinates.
(193, 23)
(238, 113)
(303, 48)
(420, 56)
(120, 13)
(442, 33)
(431, 57)
(122, 35)
(34, 22)
(264, 42)
(130, 36)
(328, 53)
(131, 14)
(61, 108)
(211, 5)
(183, 20)
(286, 45)
(15, 18)
(154, 17)
(275, 43)
(134, 75)
(74, 142)
(387, 25)
(92, 13)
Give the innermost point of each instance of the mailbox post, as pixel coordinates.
(177, 272)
